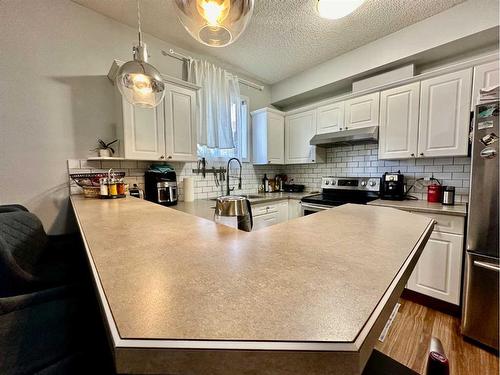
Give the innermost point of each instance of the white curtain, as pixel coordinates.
(219, 95)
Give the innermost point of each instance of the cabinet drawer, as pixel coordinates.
(446, 223)
(265, 220)
(262, 209)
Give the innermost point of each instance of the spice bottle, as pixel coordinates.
(120, 187)
(112, 188)
(103, 185)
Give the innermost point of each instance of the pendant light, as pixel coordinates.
(139, 82)
(335, 9)
(215, 23)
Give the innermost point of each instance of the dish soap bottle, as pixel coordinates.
(265, 182)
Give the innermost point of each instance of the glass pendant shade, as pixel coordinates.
(140, 83)
(335, 9)
(215, 23)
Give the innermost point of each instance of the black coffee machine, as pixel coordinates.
(160, 183)
(393, 186)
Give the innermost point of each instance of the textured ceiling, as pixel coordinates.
(284, 37)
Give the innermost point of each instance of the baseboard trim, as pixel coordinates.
(433, 303)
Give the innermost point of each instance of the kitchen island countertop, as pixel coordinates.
(181, 294)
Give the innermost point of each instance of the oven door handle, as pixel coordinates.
(314, 206)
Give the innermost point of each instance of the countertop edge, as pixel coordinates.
(441, 210)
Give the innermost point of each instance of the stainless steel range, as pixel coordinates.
(337, 191)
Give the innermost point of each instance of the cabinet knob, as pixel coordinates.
(421, 154)
(269, 162)
(346, 128)
(169, 157)
(412, 154)
(162, 157)
(312, 160)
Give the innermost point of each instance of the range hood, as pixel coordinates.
(353, 136)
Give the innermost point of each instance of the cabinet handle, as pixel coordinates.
(412, 154)
(421, 154)
(169, 157)
(162, 157)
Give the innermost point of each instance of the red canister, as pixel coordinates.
(434, 193)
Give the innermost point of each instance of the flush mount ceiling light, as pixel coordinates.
(335, 9)
(215, 23)
(139, 82)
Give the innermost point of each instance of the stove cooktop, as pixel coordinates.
(341, 190)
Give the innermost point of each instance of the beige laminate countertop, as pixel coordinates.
(324, 283)
(204, 208)
(459, 209)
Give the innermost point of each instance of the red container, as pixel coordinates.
(434, 193)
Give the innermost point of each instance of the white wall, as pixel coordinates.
(55, 98)
(461, 21)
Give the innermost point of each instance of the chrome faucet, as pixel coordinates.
(228, 190)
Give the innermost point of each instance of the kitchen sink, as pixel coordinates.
(247, 196)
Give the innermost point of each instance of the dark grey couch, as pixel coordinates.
(49, 319)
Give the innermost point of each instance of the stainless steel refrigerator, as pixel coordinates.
(480, 299)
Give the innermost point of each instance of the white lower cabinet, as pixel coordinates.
(267, 214)
(294, 209)
(438, 272)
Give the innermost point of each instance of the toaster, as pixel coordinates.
(393, 186)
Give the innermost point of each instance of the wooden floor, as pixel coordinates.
(409, 336)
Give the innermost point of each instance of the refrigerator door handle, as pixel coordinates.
(488, 266)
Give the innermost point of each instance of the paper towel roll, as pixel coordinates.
(188, 189)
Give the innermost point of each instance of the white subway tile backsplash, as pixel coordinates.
(344, 161)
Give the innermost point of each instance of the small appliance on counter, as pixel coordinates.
(160, 185)
(434, 192)
(448, 195)
(393, 186)
(234, 211)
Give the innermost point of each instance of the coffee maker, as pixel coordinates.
(160, 182)
(393, 186)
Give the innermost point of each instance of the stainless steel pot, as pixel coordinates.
(234, 210)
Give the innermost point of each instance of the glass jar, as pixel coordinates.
(103, 186)
(120, 187)
(112, 188)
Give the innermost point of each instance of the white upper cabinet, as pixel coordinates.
(362, 111)
(299, 129)
(485, 75)
(445, 115)
(167, 132)
(142, 132)
(398, 129)
(180, 124)
(268, 136)
(330, 118)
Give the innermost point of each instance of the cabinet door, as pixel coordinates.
(398, 131)
(180, 124)
(282, 211)
(265, 220)
(485, 75)
(294, 209)
(330, 118)
(143, 132)
(362, 111)
(445, 115)
(275, 139)
(438, 271)
(299, 129)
